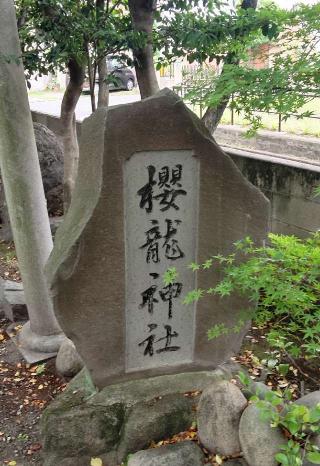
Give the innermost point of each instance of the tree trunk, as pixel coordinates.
(24, 190)
(213, 115)
(142, 15)
(103, 92)
(69, 130)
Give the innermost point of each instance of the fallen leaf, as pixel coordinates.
(96, 462)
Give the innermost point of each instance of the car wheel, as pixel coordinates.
(129, 85)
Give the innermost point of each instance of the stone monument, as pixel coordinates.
(154, 191)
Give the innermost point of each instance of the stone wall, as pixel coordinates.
(287, 173)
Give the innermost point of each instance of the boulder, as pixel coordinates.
(259, 441)
(50, 154)
(311, 400)
(220, 408)
(12, 300)
(180, 454)
(68, 361)
(81, 412)
(255, 388)
(155, 420)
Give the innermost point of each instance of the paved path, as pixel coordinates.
(52, 104)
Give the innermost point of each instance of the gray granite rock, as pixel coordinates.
(68, 361)
(50, 153)
(163, 195)
(259, 442)
(219, 411)
(68, 421)
(181, 454)
(155, 420)
(12, 300)
(311, 400)
(258, 389)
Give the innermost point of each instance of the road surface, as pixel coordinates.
(50, 102)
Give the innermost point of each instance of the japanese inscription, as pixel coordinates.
(161, 229)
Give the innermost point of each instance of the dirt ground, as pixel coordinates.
(25, 390)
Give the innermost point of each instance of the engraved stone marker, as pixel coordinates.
(161, 204)
(153, 191)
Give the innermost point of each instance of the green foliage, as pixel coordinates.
(40, 369)
(54, 31)
(285, 85)
(170, 276)
(300, 423)
(281, 281)
(215, 33)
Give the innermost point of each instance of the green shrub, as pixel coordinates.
(281, 281)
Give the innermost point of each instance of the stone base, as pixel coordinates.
(121, 419)
(34, 347)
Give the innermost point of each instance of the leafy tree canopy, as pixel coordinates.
(230, 38)
(53, 31)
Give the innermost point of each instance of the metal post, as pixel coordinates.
(232, 110)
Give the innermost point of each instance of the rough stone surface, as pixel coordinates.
(219, 411)
(12, 300)
(155, 420)
(68, 361)
(117, 408)
(311, 400)
(259, 442)
(50, 154)
(256, 388)
(181, 454)
(96, 233)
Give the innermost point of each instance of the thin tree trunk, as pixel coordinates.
(92, 78)
(103, 92)
(142, 15)
(24, 190)
(213, 115)
(69, 130)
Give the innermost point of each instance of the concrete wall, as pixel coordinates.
(290, 188)
(287, 181)
(289, 146)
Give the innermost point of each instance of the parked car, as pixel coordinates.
(120, 77)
